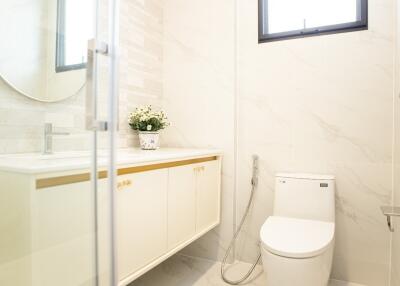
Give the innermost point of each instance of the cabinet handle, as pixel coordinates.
(198, 169)
(123, 184)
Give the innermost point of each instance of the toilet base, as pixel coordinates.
(283, 271)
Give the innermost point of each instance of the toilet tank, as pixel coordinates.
(305, 196)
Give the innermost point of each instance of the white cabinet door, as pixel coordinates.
(141, 219)
(62, 235)
(208, 195)
(181, 205)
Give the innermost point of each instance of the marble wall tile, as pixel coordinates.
(321, 105)
(198, 95)
(141, 63)
(319, 113)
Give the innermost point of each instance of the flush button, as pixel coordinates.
(323, 185)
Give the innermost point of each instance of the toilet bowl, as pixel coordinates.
(297, 242)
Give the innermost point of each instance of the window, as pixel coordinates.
(75, 26)
(284, 19)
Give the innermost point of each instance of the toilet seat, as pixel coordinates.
(296, 238)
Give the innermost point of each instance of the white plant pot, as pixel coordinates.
(149, 140)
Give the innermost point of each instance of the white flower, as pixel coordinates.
(143, 115)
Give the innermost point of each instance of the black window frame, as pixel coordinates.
(264, 37)
(60, 42)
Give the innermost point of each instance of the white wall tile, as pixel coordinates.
(198, 95)
(322, 105)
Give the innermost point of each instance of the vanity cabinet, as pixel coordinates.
(160, 212)
(207, 196)
(161, 206)
(141, 213)
(181, 204)
(193, 200)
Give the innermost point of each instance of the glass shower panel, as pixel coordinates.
(57, 129)
(395, 247)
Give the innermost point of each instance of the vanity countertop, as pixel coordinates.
(36, 163)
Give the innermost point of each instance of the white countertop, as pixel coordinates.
(36, 163)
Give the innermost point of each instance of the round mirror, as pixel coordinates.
(44, 50)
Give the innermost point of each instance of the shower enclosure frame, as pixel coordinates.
(110, 49)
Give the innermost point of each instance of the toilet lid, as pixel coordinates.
(296, 238)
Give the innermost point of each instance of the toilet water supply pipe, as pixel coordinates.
(254, 183)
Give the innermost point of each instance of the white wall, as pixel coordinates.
(198, 94)
(141, 63)
(322, 105)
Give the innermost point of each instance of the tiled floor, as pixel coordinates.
(187, 271)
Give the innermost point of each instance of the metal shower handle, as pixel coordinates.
(91, 89)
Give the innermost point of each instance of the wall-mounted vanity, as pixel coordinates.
(165, 200)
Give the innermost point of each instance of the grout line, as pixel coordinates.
(211, 261)
(344, 283)
(236, 120)
(395, 57)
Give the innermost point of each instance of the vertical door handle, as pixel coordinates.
(91, 85)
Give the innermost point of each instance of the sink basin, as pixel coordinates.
(36, 163)
(65, 156)
(54, 156)
(57, 161)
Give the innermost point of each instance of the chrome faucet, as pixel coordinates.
(48, 138)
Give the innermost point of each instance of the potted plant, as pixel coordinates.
(148, 123)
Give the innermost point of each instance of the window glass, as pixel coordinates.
(300, 17)
(75, 28)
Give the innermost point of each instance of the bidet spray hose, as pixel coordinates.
(254, 183)
(254, 177)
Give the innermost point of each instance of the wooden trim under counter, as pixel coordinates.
(43, 183)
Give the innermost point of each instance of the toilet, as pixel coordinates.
(297, 241)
